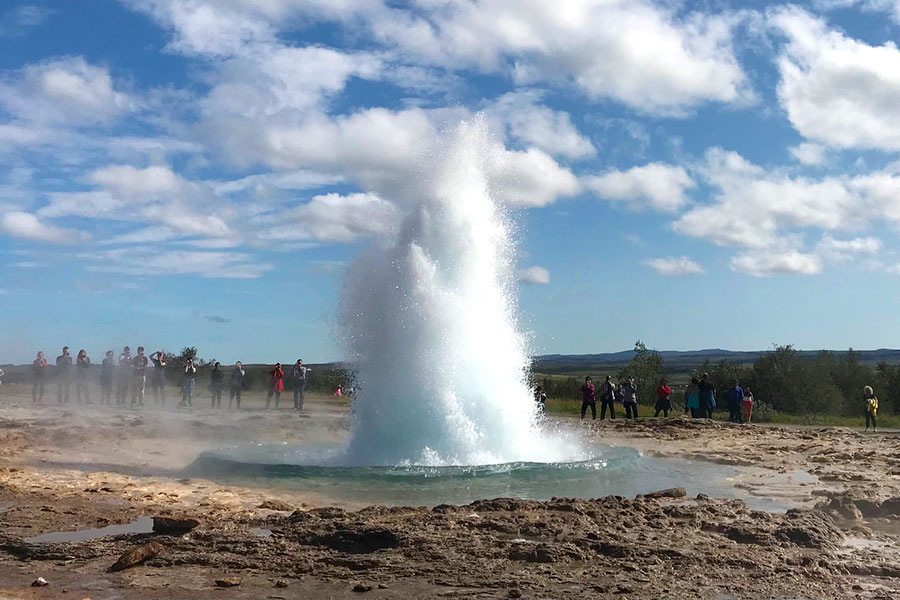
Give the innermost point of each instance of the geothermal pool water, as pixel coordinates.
(613, 471)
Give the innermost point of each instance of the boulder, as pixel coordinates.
(136, 556)
(279, 505)
(227, 582)
(678, 492)
(173, 526)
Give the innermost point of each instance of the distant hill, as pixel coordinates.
(681, 360)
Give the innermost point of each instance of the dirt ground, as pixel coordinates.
(73, 468)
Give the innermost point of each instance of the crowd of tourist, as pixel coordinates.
(699, 399)
(127, 378)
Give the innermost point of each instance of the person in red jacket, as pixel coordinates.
(663, 402)
(588, 399)
(276, 385)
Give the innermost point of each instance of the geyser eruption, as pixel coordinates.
(430, 319)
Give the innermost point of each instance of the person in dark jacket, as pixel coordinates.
(107, 372)
(82, 366)
(629, 398)
(39, 373)
(123, 376)
(298, 382)
(158, 378)
(63, 376)
(236, 384)
(707, 396)
(588, 399)
(608, 399)
(187, 383)
(216, 383)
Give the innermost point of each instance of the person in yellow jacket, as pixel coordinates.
(871, 407)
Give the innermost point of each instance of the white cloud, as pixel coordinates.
(768, 212)
(335, 218)
(265, 184)
(19, 20)
(891, 7)
(654, 186)
(153, 195)
(674, 265)
(808, 153)
(536, 125)
(843, 250)
(633, 51)
(27, 226)
(66, 91)
(208, 28)
(274, 79)
(378, 148)
(764, 263)
(126, 180)
(213, 265)
(837, 90)
(534, 276)
(752, 207)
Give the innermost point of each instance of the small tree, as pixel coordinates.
(646, 366)
(887, 387)
(850, 376)
(175, 363)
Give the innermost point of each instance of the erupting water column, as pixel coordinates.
(430, 320)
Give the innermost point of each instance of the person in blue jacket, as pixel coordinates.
(735, 398)
(692, 398)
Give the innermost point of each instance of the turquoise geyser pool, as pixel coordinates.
(613, 471)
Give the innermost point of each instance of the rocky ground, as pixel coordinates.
(65, 470)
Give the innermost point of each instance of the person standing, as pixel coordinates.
(735, 397)
(540, 399)
(82, 366)
(588, 399)
(123, 376)
(236, 384)
(707, 397)
(276, 385)
(871, 407)
(692, 398)
(608, 399)
(158, 379)
(298, 382)
(39, 375)
(216, 383)
(187, 383)
(63, 376)
(139, 366)
(107, 372)
(663, 398)
(630, 399)
(747, 405)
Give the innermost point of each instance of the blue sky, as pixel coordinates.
(694, 174)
